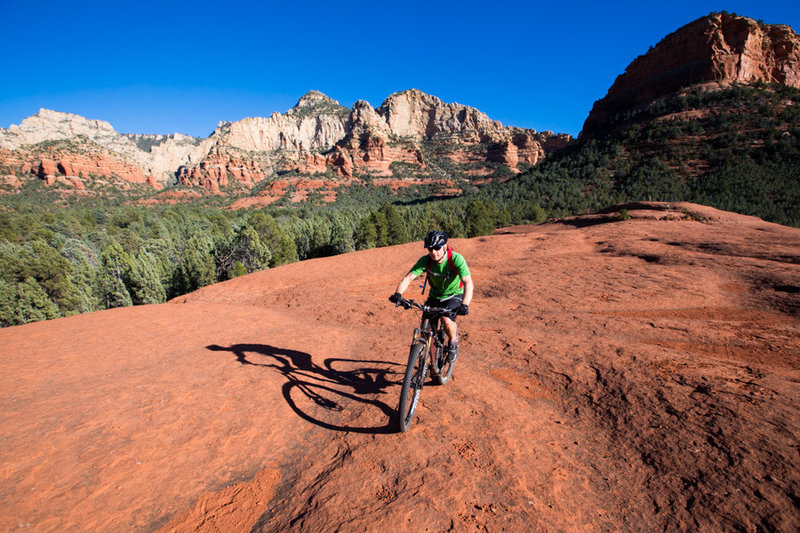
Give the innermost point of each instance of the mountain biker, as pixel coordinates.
(450, 280)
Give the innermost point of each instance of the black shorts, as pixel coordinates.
(452, 303)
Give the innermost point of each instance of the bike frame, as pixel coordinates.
(427, 351)
(428, 328)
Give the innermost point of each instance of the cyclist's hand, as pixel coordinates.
(396, 297)
(462, 310)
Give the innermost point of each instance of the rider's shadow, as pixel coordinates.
(326, 386)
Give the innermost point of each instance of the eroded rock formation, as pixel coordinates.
(718, 49)
(93, 147)
(413, 137)
(317, 136)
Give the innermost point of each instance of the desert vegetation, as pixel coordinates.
(736, 149)
(85, 258)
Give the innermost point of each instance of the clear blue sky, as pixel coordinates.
(166, 67)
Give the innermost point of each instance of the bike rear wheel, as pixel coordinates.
(445, 367)
(446, 371)
(412, 384)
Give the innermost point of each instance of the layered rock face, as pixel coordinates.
(315, 124)
(85, 147)
(463, 134)
(720, 48)
(316, 136)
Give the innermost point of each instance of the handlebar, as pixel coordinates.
(408, 304)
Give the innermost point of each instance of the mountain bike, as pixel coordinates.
(427, 346)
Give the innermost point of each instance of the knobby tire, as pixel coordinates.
(412, 384)
(445, 368)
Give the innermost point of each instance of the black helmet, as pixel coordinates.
(434, 239)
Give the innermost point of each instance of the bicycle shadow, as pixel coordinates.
(323, 384)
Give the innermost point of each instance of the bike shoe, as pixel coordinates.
(452, 353)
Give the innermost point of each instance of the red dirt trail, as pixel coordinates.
(613, 376)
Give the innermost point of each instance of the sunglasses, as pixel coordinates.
(435, 248)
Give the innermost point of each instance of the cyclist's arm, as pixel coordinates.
(468, 288)
(405, 282)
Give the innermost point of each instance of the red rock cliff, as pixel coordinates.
(719, 48)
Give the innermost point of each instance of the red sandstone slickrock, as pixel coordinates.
(613, 376)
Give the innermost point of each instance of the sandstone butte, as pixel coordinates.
(714, 51)
(639, 375)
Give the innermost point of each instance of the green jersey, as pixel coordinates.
(444, 282)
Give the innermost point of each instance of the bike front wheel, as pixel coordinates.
(412, 384)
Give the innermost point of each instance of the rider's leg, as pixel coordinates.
(452, 334)
(451, 329)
